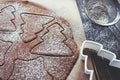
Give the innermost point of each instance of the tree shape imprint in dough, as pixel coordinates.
(33, 24)
(53, 43)
(6, 19)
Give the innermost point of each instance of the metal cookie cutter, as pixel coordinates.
(111, 22)
(100, 52)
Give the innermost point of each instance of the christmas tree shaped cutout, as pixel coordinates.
(4, 46)
(6, 17)
(53, 43)
(33, 24)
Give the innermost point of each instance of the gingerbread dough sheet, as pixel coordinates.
(40, 42)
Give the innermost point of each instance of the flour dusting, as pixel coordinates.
(98, 12)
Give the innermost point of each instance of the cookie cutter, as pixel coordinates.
(100, 52)
(115, 20)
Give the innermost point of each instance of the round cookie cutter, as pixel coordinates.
(100, 52)
(111, 20)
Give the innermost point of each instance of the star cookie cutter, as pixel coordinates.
(100, 52)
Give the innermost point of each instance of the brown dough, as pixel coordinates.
(34, 43)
